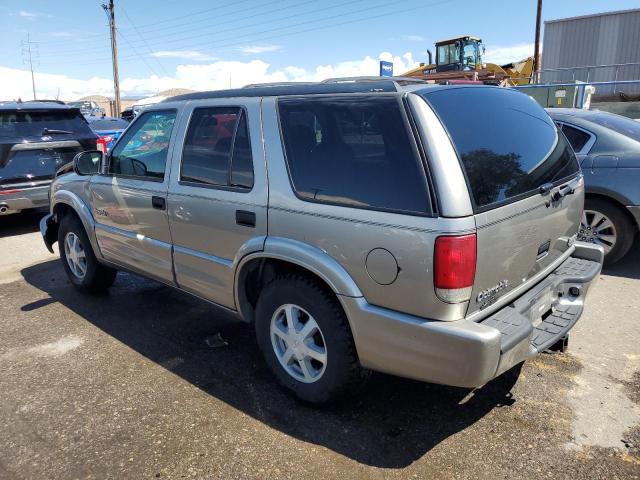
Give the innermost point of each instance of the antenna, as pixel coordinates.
(30, 55)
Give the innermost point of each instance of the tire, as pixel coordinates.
(623, 229)
(341, 372)
(97, 278)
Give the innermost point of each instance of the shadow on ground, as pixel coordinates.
(391, 424)
(629, 265)
(20, 223)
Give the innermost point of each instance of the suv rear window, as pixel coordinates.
(31, 123)
(354, 151)
(507, 143)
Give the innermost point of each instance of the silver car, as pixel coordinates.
(359, 226)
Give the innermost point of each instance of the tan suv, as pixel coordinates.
(360, 226)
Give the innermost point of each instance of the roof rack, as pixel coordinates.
(399, 80)
(297, 88)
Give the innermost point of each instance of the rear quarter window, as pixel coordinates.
(506, 142)
(353, 151)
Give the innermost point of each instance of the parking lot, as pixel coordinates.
(125, 385)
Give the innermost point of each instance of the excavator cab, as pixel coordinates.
(461, 53)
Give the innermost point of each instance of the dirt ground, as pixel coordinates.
(125, 386)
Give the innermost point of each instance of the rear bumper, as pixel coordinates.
(469, 354)
(24, 199)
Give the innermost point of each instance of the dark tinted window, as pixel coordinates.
(577, 138)
(507, 143)
(352, 151)
(210, 152)
(31, 123)
(142, 152)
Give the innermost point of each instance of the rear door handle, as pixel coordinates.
(246, 219)
(159, 202)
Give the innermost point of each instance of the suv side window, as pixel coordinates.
(142, 152)
(353, 151)
(216, 149)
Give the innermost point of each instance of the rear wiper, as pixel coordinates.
(54, 131)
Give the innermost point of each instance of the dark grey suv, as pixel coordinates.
(36, 139)
(608, 148)
(359, 226)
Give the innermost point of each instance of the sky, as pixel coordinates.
(213, 44)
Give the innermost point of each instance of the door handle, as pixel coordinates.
(246, 219)
(159, 202)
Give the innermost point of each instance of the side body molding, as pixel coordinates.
(306, 256)
(83, 211)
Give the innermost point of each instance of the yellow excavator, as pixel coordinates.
(459, 60)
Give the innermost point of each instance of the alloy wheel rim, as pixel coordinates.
(597, 228)
(75, 255)
(298, 343)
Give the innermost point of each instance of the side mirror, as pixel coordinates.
(88, 163)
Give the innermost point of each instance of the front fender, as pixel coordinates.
(81, 209)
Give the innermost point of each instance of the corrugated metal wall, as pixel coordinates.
(605, 39)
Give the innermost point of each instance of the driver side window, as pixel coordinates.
(143, 150)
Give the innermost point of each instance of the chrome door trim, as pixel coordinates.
(204, 256)
(131, 235)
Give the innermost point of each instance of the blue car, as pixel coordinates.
(108, 130)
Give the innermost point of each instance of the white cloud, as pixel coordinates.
(211, 76)
(30, 15)
(413, 38)
(184, 54)
(514, 53)
(253, 49)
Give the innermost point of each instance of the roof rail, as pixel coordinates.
(297, 88)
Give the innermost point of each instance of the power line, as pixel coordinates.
(164, 35)
(307, 30)
(29, 51)
(213, 44)
(145, 42)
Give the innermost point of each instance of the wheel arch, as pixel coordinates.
(68, 203)
(282, 255)
(616, 201)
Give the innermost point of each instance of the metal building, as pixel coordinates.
(591, 48)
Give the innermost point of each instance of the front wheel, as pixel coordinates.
(306, 341)
(80, 263)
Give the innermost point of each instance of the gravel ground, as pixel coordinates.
(125, 386)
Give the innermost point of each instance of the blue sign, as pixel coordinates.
(386, 69)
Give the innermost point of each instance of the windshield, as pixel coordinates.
(623, 125)
(31, 123)
(470, 55)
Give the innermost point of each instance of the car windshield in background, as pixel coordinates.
(32, 123)
(108, 124)
(508, 145)
(623, 125)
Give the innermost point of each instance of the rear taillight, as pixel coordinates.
(454, 267)
(101, 144)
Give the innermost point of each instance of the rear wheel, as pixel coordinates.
(605, 224)
(306, 341)
(80, 263)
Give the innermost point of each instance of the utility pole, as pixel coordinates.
(536, 48)
(27, 58)
(111, 15)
